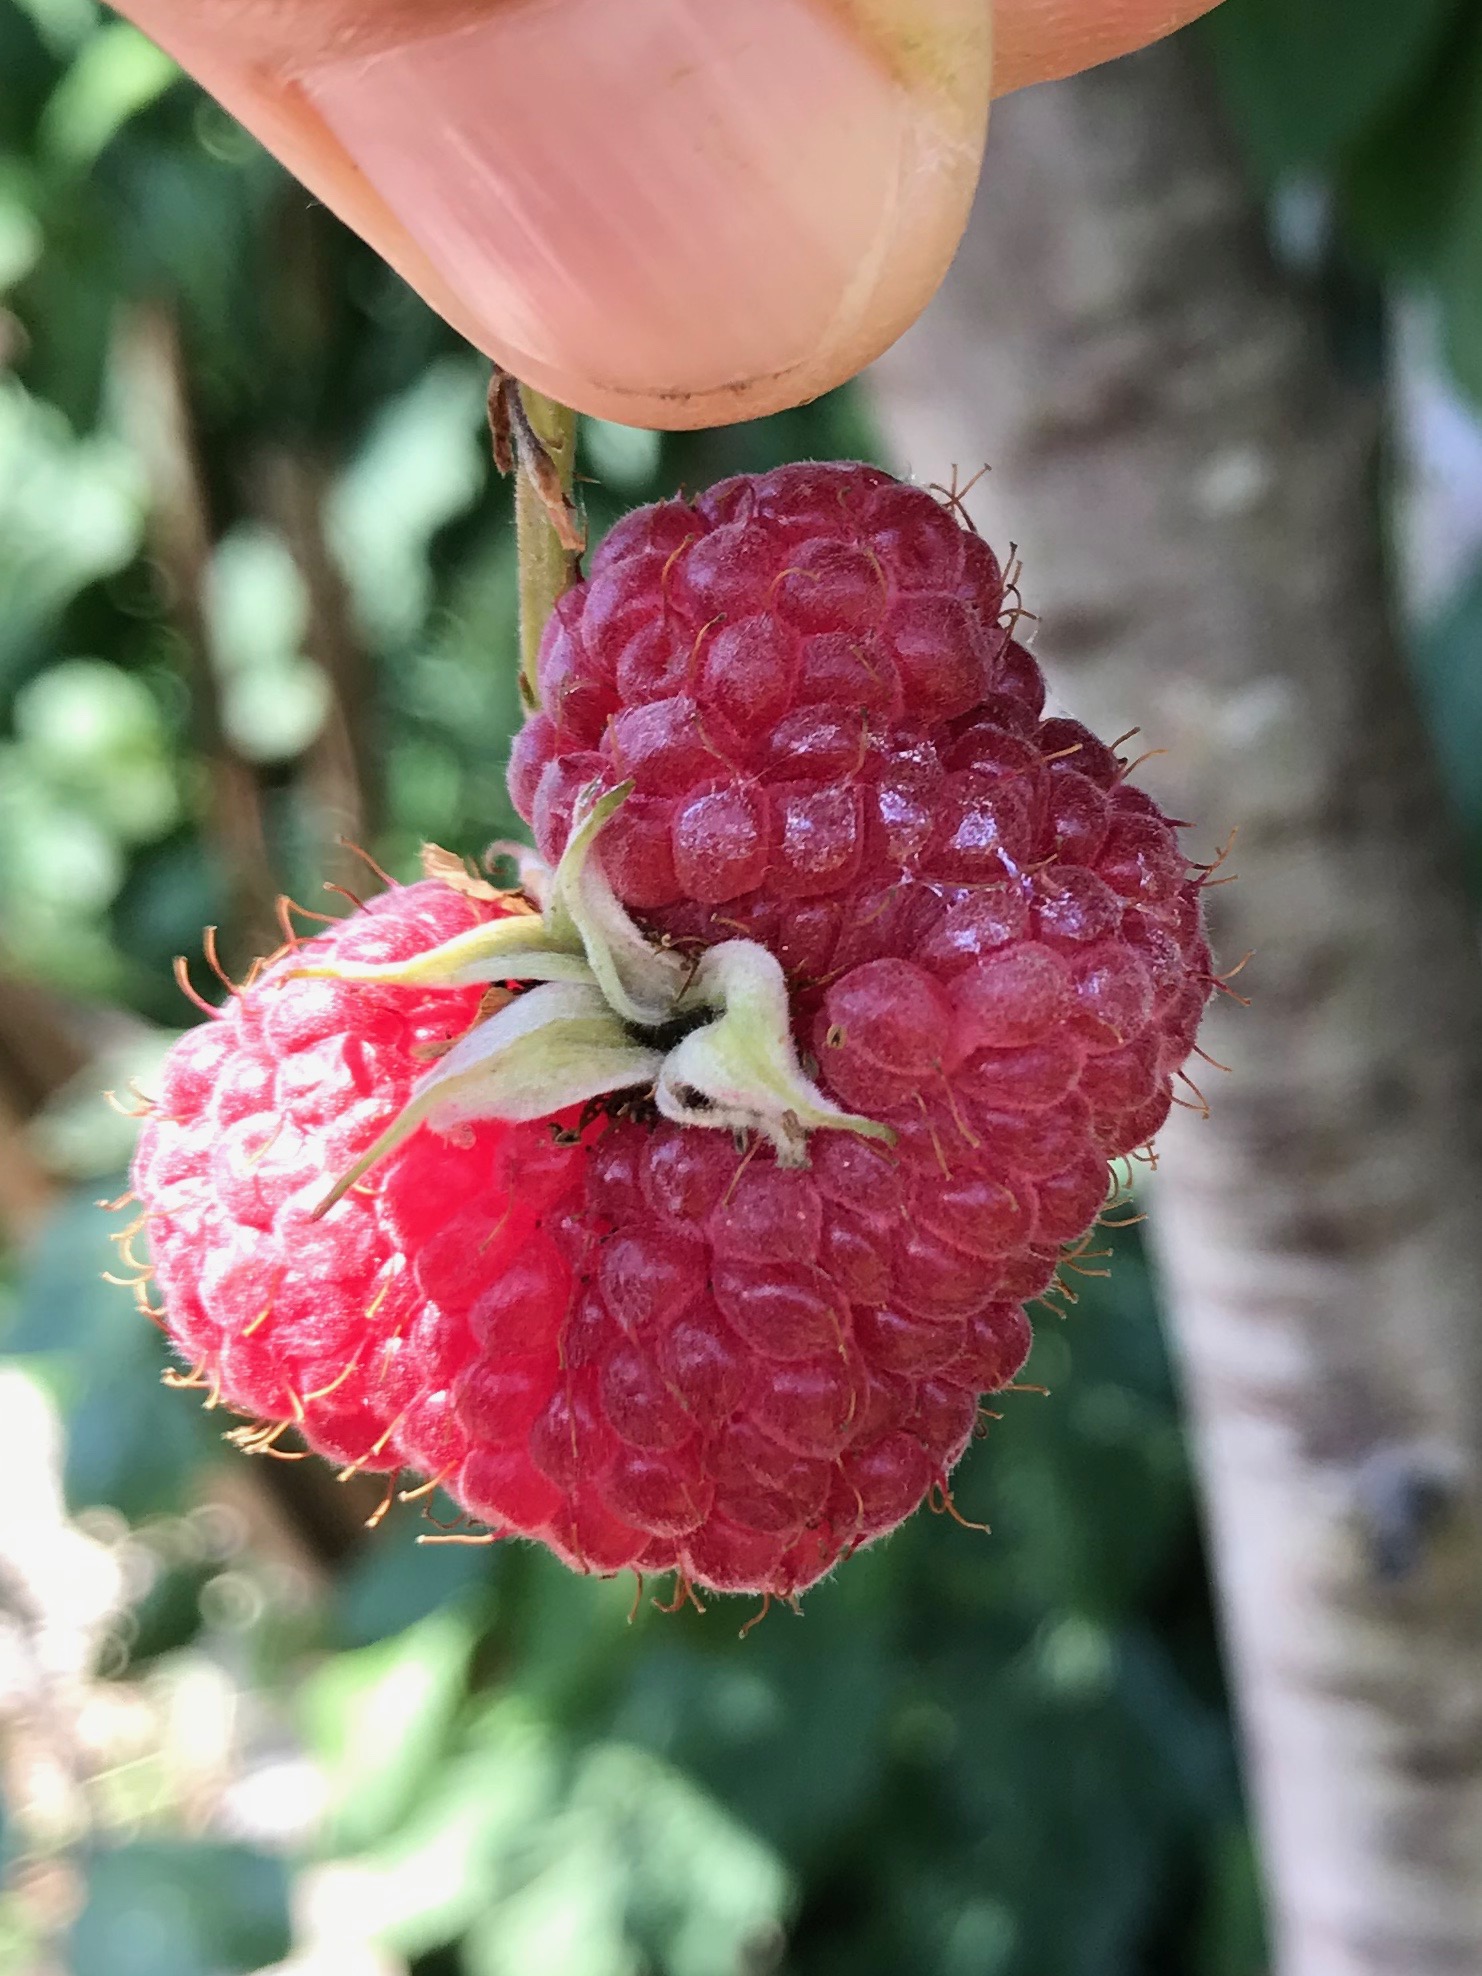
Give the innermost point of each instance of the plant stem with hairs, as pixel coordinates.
(535, 438)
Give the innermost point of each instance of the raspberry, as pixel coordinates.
(844, 756)
(339, 1325)
(993, 943)
(645, 1341)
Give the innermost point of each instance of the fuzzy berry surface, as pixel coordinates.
(339, 1326)
(651, 1346)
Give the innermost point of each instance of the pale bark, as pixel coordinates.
(1193, 490)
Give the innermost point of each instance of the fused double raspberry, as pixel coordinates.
(698, 1256)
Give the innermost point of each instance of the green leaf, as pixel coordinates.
(790, 1734)
(569, 1916)
(379, 1719)
(64, 24)
(1448, 664)
(28, 62)
(21, 238)
(161, 1909)
(394, 1580)
(702, 1896)
(1231, 1928)
(1458, 272)
(624, 457)
(606, 1865)
(71, 510)
(97, 736)
(118, 72)
(1402, 189)
(1307, 77)
(423, 464)
(131, 1443)
(452, 1858)
(274, 700)
(638, 1860)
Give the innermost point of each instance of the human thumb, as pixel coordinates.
(670, 213)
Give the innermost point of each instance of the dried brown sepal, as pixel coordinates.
(517, 443)
(449, 869)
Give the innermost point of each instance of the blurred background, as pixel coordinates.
(256, 596)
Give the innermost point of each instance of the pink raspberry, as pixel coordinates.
(339, 1326)
(650, 1345)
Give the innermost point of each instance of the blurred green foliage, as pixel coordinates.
(257, 587)
(1372, 114)
(173, 1909)
(1382, 104)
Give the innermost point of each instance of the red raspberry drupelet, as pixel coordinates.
(659, 1347)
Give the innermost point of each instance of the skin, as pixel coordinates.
(667, 212)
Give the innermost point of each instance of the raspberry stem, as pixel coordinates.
(548, 535)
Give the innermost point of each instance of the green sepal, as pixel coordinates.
(579, 1035)
(585, 934)
(641, 981)
(743, 1067)
(553, 1047)
(516, 949)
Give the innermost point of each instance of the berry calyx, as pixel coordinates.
(597, 1024)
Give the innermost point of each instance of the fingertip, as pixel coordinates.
(665, 212)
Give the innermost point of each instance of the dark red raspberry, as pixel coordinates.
(993, 943)
(657, 1347)
(843, 754)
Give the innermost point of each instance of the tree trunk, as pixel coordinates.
(1193, 489)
